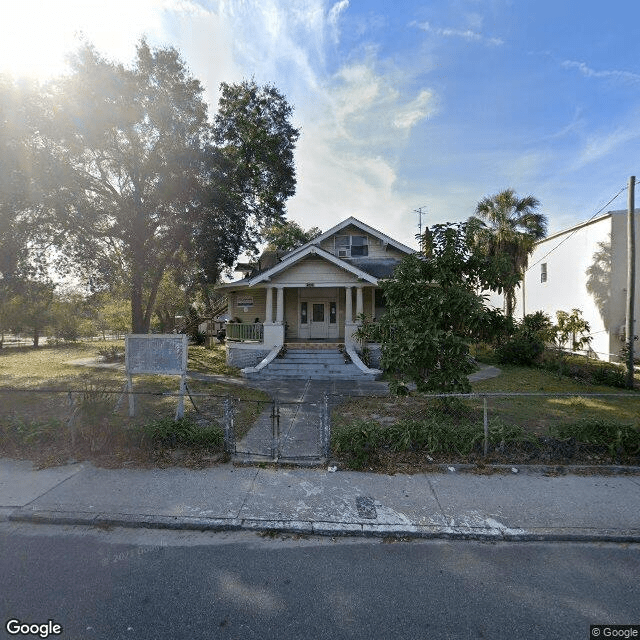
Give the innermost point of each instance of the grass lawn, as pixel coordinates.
(34, 414)
(535, 413)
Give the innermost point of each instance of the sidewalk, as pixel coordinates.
(523, 506)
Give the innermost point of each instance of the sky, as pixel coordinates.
(401, 105)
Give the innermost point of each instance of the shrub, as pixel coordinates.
(609, 374)
(527, 342)
(521, 349)
(590, 371)
(185, 432)
(358, 442)
(618, 437)
(437, 434)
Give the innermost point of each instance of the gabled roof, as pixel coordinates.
(356, 223)
(296, 256)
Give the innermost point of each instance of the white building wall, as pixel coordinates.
(566, 285)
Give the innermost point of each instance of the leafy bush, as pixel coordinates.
(361, 441)
(590, 371)
(609, 374)
(358, 442)
(521, 349)
(185, 432)
(527, 342)
(618, 437)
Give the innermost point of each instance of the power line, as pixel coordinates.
(576, 230)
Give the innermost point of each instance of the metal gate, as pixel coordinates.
(286, 432)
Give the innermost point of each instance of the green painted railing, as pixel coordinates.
(244, 331)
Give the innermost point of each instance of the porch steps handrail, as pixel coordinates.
(355, 358)
(264, 362)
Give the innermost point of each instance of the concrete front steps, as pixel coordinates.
(314, 363)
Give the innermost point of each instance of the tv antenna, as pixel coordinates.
(419, 212)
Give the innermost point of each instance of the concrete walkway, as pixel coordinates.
(524, 506)
(300, 403)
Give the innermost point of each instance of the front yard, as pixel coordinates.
(592, 424)
(53, 409)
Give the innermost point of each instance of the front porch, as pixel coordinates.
(287, 314)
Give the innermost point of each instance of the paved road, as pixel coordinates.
(157, 585)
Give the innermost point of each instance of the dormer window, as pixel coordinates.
(352, 246)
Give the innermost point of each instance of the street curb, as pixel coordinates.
(331, 529)
(548, 469)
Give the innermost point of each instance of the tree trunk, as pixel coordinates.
(137, 316)
(509, 301)
(36, 338)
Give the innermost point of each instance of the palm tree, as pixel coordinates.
(509, 226)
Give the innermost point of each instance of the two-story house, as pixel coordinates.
(310, 299)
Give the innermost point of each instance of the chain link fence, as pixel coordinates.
(93, 420)
(527, 426)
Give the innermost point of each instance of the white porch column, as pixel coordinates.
(359, 307)
(274, 331)
(280, 305)
(269, 306)
(348, 309)
(373, 303)
(230, 305)
(349, 325)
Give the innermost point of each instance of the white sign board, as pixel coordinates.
(159, 354)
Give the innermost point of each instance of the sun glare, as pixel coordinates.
(37, 35)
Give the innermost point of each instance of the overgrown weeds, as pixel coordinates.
(365, 443)
(619, 438)
(184, 432)
(362, 442)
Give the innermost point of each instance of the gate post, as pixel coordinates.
(229, 432)
(275, 430)
(325, 427)
(486, 428)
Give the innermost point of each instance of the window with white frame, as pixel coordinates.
(352, 246)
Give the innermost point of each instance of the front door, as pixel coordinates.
(319, 325)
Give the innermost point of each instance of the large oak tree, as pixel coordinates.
(134, 175)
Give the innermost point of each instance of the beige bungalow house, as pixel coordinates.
(309, 301)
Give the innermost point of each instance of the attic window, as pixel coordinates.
(352, 246)
(543, 272)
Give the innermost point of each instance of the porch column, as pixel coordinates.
(230, 306)
(348, 310)
(359, 307)
(269, 306)
(280, 305)
(373, 303)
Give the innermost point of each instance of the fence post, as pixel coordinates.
(486, 428)
(326, 426)
(229, 432)
(275, 429)
(71, 423)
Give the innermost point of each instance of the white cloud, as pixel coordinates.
(421, 107)
(614, 74)
(334, 16)
(599, 146)
(466, 34)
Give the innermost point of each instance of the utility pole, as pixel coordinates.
(631, 280)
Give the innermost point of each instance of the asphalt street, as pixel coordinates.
(116, 584)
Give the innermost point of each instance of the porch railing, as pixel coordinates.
(244, 332)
